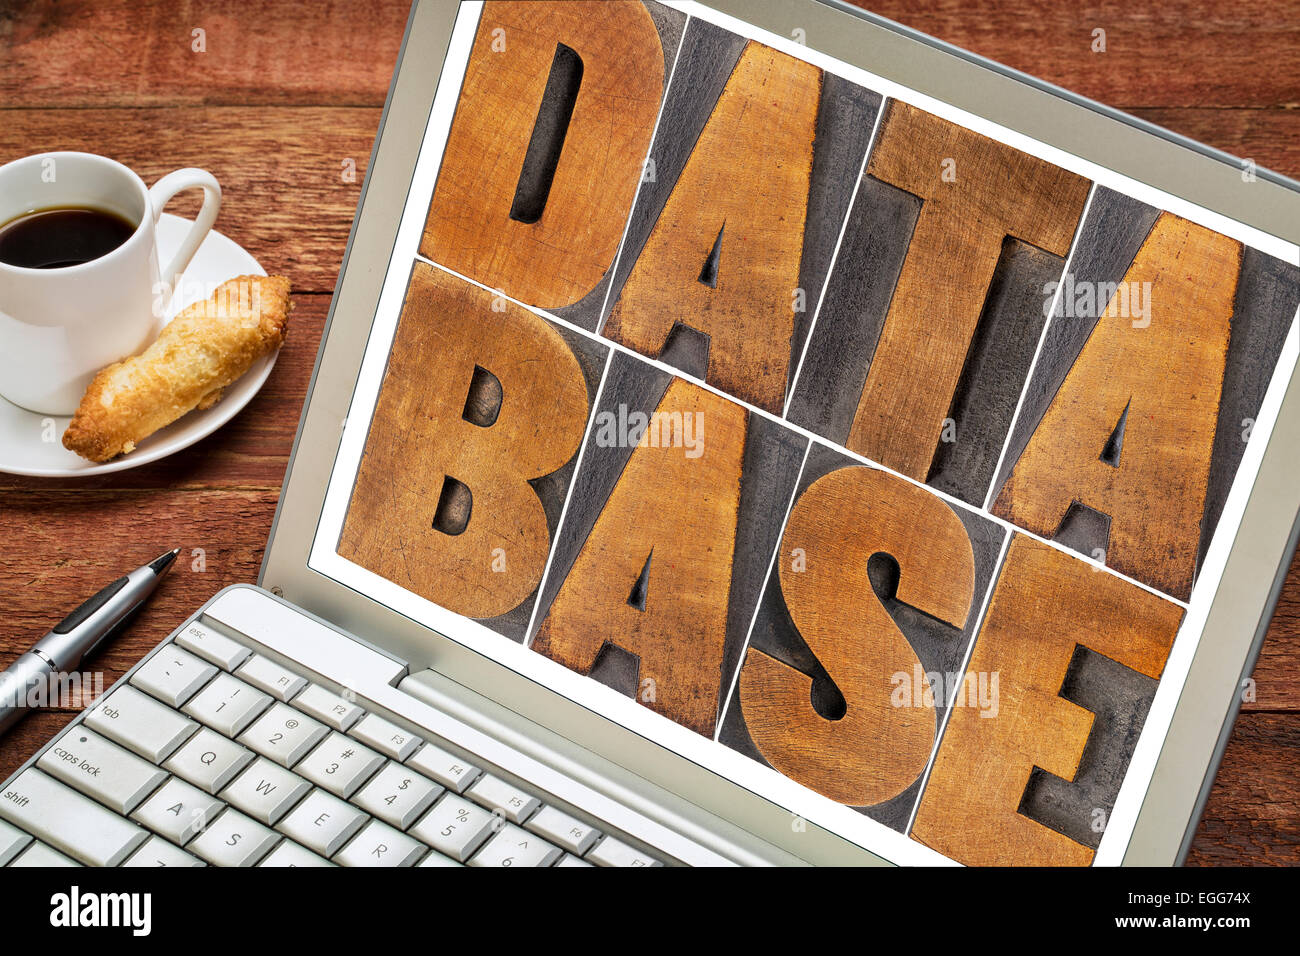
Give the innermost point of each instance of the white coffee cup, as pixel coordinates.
(60, 326)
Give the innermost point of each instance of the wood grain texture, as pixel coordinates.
(940, 648)
(966, 214)
(1221, 74)
(1243, 55)
(1044, 605)
(127, 53)
(290, 178)
(136, 52)
(1159, 374)
(724, 256)
(653, 578)
(555, 256)
(427, 452)
(839, 524)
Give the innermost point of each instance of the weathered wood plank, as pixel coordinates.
(139, 52)
(125, 52)
(1180, 53)
(1253, 814)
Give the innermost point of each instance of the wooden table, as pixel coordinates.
(280, 100)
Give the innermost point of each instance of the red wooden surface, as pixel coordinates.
(285, 96)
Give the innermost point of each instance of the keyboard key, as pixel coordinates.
(158, 852)
(280, 682)
(434, 858)
(455, 827)
(213, 647)
(283, 734)
(289, 854)
(570, 860)
(448, 769)
(40, 855)
(495, 794)
(12, 840)
(563, 830)
(100, 769)
(140, 723)
(64, 818)
(398, 795)
(380, 845)
(340, 765)
(208, 760)
(611, 852)
(227, 705)
(331, 708)
(177, 811)
(511, 846)
(173, 675)
(265, 791)
(234, 840)
(385, 736)
(322, 822)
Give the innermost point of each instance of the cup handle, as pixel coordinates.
(161, 194)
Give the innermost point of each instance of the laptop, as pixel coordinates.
(745, 433)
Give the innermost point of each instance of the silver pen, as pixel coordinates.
(76, 637)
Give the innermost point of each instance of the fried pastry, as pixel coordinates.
(204, 349)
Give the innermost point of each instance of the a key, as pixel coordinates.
(227, 705)
(140, 723)
(280, 682)
(40, 855)
(570, 860)
(322, 822)
(455, 827)
(378, 844)
(177, 811)
(325, 706)
(289, 854)
(495, 794)
(563, 830)
(434, 858)
(213, 647)
(385, 736)
(265, 791)
(611, 852)
(398, 795)
(283, 734)
(208, 760)
(233, 840)
(12, 840)
(511, 846)
(173, 675)
(100, 769)
(446, 768)
(340, 765)
(60, 816)
(158, 852)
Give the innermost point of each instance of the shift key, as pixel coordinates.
(113, 776)
(65, 819)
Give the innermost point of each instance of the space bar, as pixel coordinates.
(68, 821)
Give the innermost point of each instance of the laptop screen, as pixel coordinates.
(875, 456)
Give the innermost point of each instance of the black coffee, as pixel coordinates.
(55, 238)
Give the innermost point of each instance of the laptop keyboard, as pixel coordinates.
(215, 754)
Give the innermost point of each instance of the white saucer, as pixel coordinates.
(25, 445)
